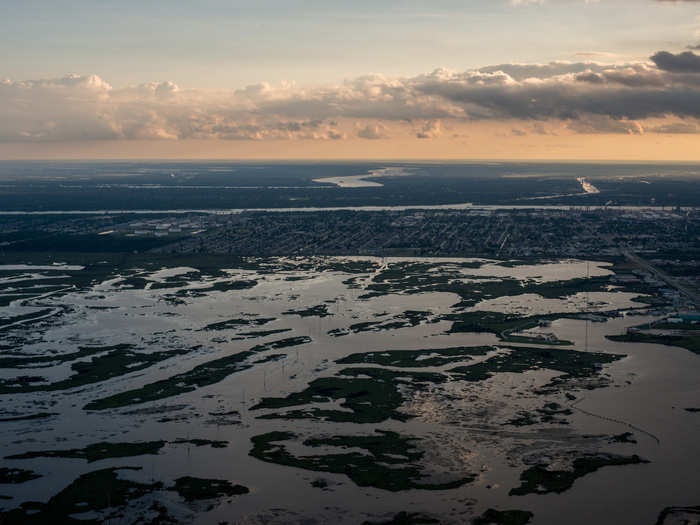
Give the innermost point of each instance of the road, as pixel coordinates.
(645, 265)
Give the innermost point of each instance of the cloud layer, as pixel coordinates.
(584, 97)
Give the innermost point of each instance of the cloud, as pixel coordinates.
(677, 128)
(605, 124)
(631, 93)
(581, 97)
(333, 134)
(71, 107)
(372, 132)
(430, 130)
(638, 75)
(540, 129)
(686, 62)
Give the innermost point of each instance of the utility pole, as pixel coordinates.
(588, 276)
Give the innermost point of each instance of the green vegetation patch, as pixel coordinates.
(106, 450)
(101, 368)
(685, 515)
(7, 322)
(405, 518)
(539, 480)
(16, 475)
(665, 324)
(282, 343)
(270, 358)
(264, 333)
(347, 266)
(371, 394)
(417, 358)
(499, 323)
(319, 484)
(221, 286)
(97, 451)
(320, 310)
(412, 277)
(625, 437)
(235, 323)
(95, 491)
(547, 414)
(571, 363)
(407, 319)
(28, 417)
(200, 376)
(534, 340)
(201, 442)
(689, 342)
(224, 418)
(389, 461)
(194, 489)
(48, 360)
(504, 517)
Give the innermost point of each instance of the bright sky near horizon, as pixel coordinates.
(584, 79)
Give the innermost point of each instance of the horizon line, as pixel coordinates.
(359, 161)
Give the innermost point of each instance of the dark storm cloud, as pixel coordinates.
(625, 92)
(685, 62)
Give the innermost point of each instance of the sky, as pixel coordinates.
(276, 79)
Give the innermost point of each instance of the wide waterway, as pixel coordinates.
(459, 206)
(463, 426)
